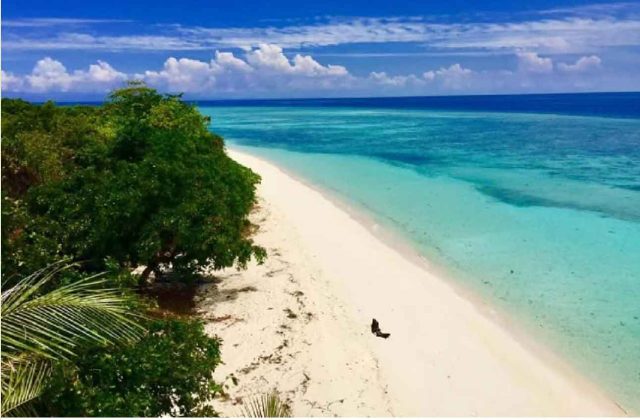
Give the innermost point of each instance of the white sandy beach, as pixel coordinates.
(300, 323)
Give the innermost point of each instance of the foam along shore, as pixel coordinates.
(300, 323)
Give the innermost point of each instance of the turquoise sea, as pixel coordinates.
(537, 211)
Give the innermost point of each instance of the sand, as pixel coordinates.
(300, 323)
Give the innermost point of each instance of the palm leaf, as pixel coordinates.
(52, 325)
(268, 405)
(22, 381)
(37, 329)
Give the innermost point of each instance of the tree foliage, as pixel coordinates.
(167, 372)
(140, 180)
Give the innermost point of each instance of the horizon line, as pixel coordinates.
(332, 98)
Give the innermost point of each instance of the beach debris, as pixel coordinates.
(290, 313)
(375, 330)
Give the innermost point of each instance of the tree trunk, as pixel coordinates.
(144, 277)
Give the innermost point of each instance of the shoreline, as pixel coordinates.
(478, 363)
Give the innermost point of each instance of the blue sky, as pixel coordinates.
(213, 49)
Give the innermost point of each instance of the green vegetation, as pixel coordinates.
(136, 182)
(140, 180)
(269, 405)
(168, 371)
(39, 329)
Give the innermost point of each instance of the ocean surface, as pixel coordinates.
(532, 202)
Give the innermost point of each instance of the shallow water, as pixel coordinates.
(538, 213)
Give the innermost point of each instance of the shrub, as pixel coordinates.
(167, 372)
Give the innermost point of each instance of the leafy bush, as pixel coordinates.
(167, 372)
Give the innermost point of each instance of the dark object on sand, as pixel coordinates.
(375, 329)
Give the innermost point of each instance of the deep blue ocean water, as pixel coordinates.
(613, 104)
(536, 209)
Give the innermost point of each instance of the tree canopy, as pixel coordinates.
(140, 180)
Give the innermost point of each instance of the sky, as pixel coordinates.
(80, 50)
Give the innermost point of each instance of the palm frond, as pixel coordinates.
(38, 329)
(52, 325)
(22, 381)
(268, 405)
(29, 285)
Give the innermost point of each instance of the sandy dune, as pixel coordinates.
(300, 324)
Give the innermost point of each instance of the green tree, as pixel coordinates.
(140, 180)
(41, 144)
(168, 372)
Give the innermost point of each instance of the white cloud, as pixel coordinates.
(454, 77)
(595, 10)
(545, 36)
(83, 42)
(583, 64)
(305, 64)
(573, 32)
(530, 62)
(262, 69)
(102, 73)
(268, 57)
(383, 79)
(51, 75)
(266, 71)
(10, 82)
(183, 74)
(562, 34)
(226, 61)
